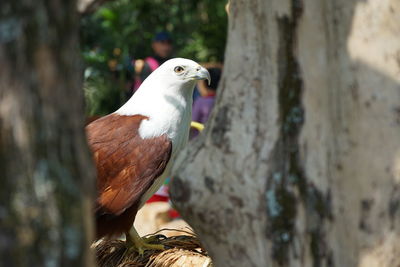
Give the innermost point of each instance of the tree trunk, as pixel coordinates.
(45, 165)
(89, 6)
(300, 162)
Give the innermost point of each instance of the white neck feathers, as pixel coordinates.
(168, 107)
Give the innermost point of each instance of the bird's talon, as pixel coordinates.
(140, 251)
(154, 238)
(134, 241)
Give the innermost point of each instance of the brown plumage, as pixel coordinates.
(127, 166)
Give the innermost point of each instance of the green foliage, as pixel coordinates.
(102, 95)
(123, 29)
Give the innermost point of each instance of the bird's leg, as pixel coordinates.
(134, 240)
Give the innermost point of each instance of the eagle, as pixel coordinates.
(133, 148)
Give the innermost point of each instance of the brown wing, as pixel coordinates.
(127, 165)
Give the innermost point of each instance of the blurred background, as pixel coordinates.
(120, 34)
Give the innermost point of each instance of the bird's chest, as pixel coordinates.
(176, 127)
(174, 121)
(180, 135)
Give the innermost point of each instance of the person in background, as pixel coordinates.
(162, 46)
(203, 105)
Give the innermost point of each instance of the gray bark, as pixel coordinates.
(299, 164)
(45, 165)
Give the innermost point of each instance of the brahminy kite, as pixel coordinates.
(133, 147)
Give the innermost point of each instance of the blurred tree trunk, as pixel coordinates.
(300, 162)
(89, 6)
(45, 166)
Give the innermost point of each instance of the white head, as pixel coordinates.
(175, 78)
(166, 97)
(176, 74)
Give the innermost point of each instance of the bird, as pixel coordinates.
(134, 147)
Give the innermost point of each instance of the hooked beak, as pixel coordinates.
(201, 73)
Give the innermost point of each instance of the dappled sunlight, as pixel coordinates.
(396, 167)
(368, 44)
(377, 256)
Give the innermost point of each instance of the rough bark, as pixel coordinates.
(299, 164)
(46, 169)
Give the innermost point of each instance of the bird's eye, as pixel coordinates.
(179, 69)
